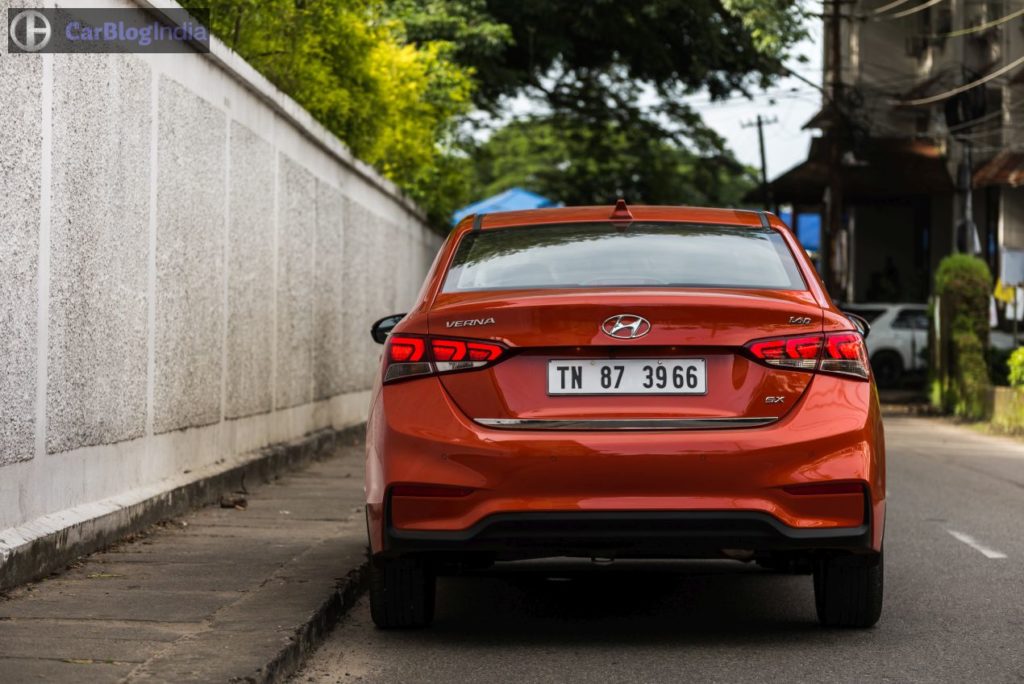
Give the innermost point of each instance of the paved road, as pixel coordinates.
(954, 609)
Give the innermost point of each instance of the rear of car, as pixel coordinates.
(645, 382)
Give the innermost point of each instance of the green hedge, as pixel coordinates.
(963, 284)
(1015, 365)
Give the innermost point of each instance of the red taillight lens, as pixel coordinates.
(406, 349)
(407, 356)
(846, 353)
(788, 352)
(843, 353)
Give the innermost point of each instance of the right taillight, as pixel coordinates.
(408, 356)
(843, 353)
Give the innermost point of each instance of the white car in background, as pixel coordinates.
(898, 337)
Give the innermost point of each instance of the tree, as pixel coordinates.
(608, 81)
(583, 164)
(396, 104)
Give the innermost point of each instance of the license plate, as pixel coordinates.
(627, 376)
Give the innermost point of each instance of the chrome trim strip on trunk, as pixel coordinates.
(624, 423)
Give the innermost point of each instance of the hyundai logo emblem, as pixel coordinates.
(626, 326)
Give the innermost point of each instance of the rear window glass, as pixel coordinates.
(642, 255)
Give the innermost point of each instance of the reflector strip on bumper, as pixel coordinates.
(624, 424)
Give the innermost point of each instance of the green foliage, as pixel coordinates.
(554, 47)
(594, 164)
(396, 80)
(971, 374)
(964, 284)
(609, 86)
(396, 104)
(1015, 364)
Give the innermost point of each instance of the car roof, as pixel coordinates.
(640, 212)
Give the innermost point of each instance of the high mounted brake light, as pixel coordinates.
(621, 212)
(842, 353)
(408, 356)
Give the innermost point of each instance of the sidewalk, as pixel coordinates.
(223, 594)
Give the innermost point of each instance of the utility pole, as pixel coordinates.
(830, 227)
(761, 122)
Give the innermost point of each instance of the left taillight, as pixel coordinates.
(408, 356)
(842, 353)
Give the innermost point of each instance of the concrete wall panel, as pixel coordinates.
(189, 259)
(296, 231)
(330, 310)
(21, 86)
(99, 243)
(250, 316)
(358, 286)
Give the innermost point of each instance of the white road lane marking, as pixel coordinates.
(976, 545)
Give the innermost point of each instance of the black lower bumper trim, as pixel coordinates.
(635, 534)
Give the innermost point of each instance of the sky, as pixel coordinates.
(790, 101)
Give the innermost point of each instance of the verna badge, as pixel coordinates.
(469, 322)
(626, 326)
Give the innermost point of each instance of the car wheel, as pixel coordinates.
(848, 590)
(401, 592)
(888, 368)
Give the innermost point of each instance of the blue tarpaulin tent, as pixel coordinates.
(512, 199)
(808, 232)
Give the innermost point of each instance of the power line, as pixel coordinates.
(891, 5)
(908, 12)
(982, 27)
(986, 117)
(964, 88)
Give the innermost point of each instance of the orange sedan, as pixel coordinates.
(624, 382)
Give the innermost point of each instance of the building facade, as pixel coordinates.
(922, 121)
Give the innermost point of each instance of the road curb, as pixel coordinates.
(310, 635)
(32, 556)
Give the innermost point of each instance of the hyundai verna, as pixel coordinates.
(624, 382)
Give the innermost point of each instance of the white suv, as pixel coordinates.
(899, 335)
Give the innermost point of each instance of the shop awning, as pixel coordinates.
(1006, 168)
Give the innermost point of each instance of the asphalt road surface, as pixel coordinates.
(954, 604)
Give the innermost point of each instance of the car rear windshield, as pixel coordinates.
(641, 255)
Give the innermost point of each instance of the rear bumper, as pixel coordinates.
(626, 534)
(644, 493)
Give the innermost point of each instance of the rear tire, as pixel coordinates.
(401, 592)
(848, 590)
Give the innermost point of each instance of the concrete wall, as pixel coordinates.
(189, 266)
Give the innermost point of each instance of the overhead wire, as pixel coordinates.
(982, 27)
(891, 5)
(932, 99)
(907, 12)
